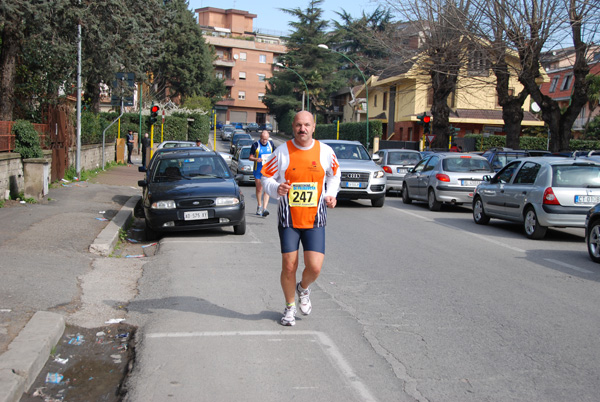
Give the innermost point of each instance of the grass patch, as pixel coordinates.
(2, 202)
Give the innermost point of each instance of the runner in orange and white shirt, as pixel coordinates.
(303, 174)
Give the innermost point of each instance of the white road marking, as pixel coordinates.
(564, 264)
(327, 345)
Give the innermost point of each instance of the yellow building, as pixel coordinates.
(400, 94)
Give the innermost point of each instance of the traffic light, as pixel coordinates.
(425, 121)
(153, 114)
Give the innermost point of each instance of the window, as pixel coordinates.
(505, 174)
(527, 173)
(384, 100)
(262, 77)
(220, 54)
(262, 58)
(219, 74)
(375, 101)
(261, 96)
(243, 56)
(431, 163)
(242, 95)
(566, 84)
(478, 63)
(554, 83)
(242, 75)
(430, 96)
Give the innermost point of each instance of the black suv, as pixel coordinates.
(499, 157)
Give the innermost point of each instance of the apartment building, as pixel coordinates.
(245, 61)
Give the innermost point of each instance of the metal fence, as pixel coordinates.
(7, 139)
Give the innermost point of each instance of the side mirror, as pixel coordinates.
(376, 158)
(141, 169)
(487, 178)
(142, 183)
(239, 177)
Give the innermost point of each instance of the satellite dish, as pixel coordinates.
(535, 107)
(235, 56)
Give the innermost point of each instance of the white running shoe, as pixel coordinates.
(259, 211)
(289, 316)
(304, 296)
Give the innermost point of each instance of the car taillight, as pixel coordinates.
(442, 177)
(549, 197)
(387, 169)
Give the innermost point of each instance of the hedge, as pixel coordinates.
(27, 140)
(350, 131)
(529, 143)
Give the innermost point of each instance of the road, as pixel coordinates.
(411, 305)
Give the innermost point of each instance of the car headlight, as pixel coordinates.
(378, 174)
(166, 204)
(225, 201)
(246, 168)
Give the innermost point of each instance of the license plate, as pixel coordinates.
(401, 170)
(587, 199)
(353, 184)
(471, 182)
(195, 215)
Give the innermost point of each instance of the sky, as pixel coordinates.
(270, 18)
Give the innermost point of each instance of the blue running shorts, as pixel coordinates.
(257, 174)
(312, 239)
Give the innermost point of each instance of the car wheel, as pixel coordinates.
(241, 228)
(533, 229)
(138, 211)
(432, 202)
(378, 202)
(593, 241)
(405, 196)
(479, 215)
(150, 233)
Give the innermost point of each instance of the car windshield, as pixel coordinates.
(576, 175)
(176, 167)
(350, 151)
(403, 158)
(466, 164)
(245, 153)
(178, 144)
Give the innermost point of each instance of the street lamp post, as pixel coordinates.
(304, 82)
(322, 46)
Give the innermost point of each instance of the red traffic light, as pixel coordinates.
(426, 119)
(154, 109)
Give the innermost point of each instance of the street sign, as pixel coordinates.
(430, 138)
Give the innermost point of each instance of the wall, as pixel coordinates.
(11, 167)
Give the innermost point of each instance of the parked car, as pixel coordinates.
(238, 126)
(252, 127)
(266, 126)
(445, 178)
(238, 136)
(179, 144)
(227, 132)
(539, 193)
(395, 164)
(240, 142)
(191, 190)
(592, 232)
(242, 165)
(499, 157)
(361, 177)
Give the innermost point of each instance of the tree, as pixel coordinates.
(28, 27)
(593, 97)
(184, 67)
(534, 25)
(442, 53)
(316, 67)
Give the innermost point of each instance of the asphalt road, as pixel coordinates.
(411, 305)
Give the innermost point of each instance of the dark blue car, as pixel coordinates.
(191, 190)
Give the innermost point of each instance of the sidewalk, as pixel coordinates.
(45, 250)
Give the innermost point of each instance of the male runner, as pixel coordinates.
(260, 152)
(303, 174)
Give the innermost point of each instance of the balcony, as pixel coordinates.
(229, 82)
(224, 63)
(226, 102)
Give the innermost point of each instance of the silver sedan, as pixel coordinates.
(445, 178)
(540, 193)
(396, 163)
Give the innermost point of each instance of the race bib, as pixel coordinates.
(303, 195)
(265, 158)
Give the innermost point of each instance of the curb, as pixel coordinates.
(27, 354)
(106, 240)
